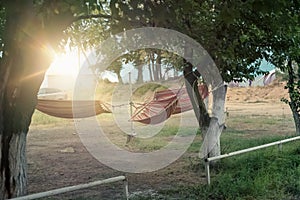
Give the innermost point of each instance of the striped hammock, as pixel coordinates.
(164, 104)
(72, 109)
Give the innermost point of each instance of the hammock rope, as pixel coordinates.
(163, 104)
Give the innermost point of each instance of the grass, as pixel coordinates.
(160, 140)
(262, 174)
(265, 174)
(257, 119)
(39, 118)
(139, 92)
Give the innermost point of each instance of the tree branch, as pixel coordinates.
(92, 16)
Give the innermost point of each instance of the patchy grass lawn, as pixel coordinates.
(262, 174)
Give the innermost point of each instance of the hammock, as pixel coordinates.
(160, 108)
(164, 104)
(156, 111)
(64, 108)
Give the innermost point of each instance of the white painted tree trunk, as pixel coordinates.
(211, 144)
(16, 173)
(209, 71)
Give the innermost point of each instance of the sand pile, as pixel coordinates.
(271, 93)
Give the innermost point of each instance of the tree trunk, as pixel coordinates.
(211, 127)
(154, 66)
(211, 145)
(24, 62)
(18, 103)
(191, 82)
(150, 70)
(120, 78)
(158, 65)
(293, 93)
(296, 117)
(14, 166)
(140, 78)
(175, 73)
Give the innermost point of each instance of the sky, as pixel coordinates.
(69, 63)
(65, 64)
(266, 66)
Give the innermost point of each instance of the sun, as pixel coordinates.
(65, 64)
(63, 71)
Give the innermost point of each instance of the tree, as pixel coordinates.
(293, 86)
(216, 25)
(235, 33)
(284, 47)
(29, 27)
(267, 30)
(116, 67)
(277, 29)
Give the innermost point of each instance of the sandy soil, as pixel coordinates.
(57, 158)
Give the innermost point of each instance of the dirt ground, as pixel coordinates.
(57, 158)
(258, 100)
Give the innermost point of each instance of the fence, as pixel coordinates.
(208, 160)
(76, 187)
